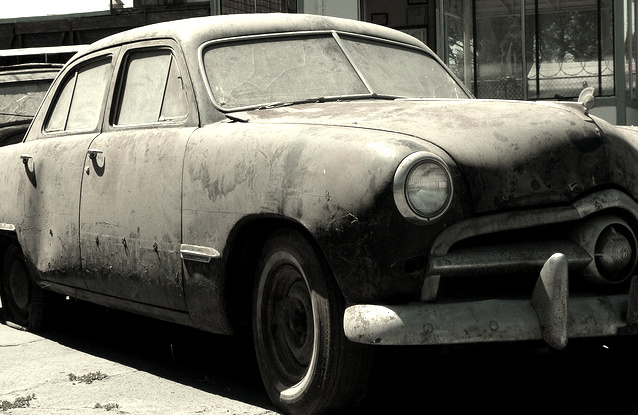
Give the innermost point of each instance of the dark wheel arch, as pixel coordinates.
(244, 246)
(307, 364)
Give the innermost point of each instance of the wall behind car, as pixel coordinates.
(519, 49)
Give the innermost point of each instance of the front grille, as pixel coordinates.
(491, 257)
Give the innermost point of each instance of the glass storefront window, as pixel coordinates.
(458, 38)
(531, 49)
(414, 17)
(631, 49)
(574, 51)
(499, 51)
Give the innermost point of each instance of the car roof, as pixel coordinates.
(195, 31)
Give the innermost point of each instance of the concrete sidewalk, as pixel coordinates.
(54, 378)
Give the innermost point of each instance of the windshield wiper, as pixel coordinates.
(329, 99)
(275, 105)
(235, 118)
(289, 103)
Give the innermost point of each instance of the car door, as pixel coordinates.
(130, 216)
(53, 159)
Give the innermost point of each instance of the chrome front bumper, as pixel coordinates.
(550, 315)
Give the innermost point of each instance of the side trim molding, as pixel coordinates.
(7, 227)
(198, 253)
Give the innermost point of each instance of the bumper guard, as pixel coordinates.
(550, 315)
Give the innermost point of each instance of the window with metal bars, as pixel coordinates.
(531, 49)
(258, 6)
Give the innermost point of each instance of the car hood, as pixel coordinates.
(511, 153)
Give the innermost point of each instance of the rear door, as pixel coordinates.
(130, 217)
(52, 167)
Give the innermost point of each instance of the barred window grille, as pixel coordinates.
(255, 6)
(531, 49)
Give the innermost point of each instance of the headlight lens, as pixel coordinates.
(422, 187)
(427, 188)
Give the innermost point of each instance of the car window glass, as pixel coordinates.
(152, 89)
(281, 70)
(20, 98)
(57, 119)
(88, 95)
(399, 71)
(79, 103)
(174, 104)
(275, 71)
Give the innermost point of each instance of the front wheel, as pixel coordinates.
(22, 299)
(306, 363)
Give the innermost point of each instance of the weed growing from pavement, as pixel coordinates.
(21, 402)
(88, 378)
(107, 407)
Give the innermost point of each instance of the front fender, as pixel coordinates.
(336, 182)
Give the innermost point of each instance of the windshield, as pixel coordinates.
(281, 70)
(19, 101)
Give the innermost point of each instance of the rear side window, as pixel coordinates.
(151, 90)
(78, 104)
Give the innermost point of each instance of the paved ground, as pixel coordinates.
(156, 368)
(147, 371)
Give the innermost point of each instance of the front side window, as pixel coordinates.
(280, 70)
(152, 89)
(78, 105)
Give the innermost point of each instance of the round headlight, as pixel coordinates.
(422, 187)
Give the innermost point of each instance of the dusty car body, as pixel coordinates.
(328, 183)
(22, 88)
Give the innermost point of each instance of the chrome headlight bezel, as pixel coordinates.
(404, 178)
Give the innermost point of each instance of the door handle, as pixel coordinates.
(29, 168)
(92, 153)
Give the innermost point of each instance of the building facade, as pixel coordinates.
(505, 49)
(530, 49)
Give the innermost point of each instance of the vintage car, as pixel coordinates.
(22, 88)
(324, 184)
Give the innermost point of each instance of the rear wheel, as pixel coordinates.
(22, 299)
(306, 363)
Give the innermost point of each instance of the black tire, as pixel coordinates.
(307, 364)
(22, 299)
